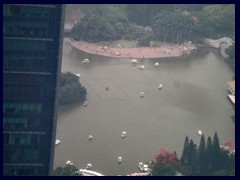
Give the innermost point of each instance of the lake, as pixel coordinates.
(193, 97)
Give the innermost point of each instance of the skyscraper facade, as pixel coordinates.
(32, 52)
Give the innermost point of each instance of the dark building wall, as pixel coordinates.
(32, 49)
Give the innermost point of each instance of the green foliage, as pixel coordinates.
(145, 40)
(107, 25)
(161, 170)
(68, 170)
(172, 26)
(168, 22)
(216, 151)
(139, 13)
(202, 158)
(155, 44)
(135, 32)
(206, 160)
(217, 21)
(192, 153)
(186, 170)
(103, 24)
(71, 89)
(184, 159)
(189, 158)
(209, 155)
(143, 13)
(166, 163)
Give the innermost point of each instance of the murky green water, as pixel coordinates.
(193, 97)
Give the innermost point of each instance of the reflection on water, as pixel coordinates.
(193, 97)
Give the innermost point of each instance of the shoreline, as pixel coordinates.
(166, 50)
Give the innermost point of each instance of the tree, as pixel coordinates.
(217, 21)
(143, 13)
(170, 23)
(190, 166)
(165, 164)
(71, 89)
(138, 13)
(216, 152)
(68, 170)
(161, 170)
(100, 25)
(208, 160)
(170, 26)
(209, 155)
(202, 158)
(192, 153)
(167, 158)
(184, 159)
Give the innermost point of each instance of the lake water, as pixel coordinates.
(193, 97)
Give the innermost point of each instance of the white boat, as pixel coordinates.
(57, 142)
(200, 133)
(134, 61)
(89, 166)
(86, 61)
(119, 159)
(146, 169)
(143, 167)
(90, 137)
(85, 103)
(160, 86)
(123, 134)
(141, 67)
(69, 163)
(78, 75)
(142, 94)
(156, 64)
(140, 166)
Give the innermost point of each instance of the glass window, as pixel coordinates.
(31, 107)
(35, 139)
(25, 106)
(6, 10)
(11, 139)
(38, 108)
(9, 110)
(7, 124)
(22, 140)
(18, 107)
(16, 140)
(5, 138)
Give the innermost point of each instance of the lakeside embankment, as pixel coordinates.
(166, 50)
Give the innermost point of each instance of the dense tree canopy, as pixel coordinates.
(167, 22)
(165, 163)
(68, 170)
(208, 159)
(172, 26)
(70, 89)
(102, 24)
(221, 19)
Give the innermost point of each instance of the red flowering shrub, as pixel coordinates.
(166, 158)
